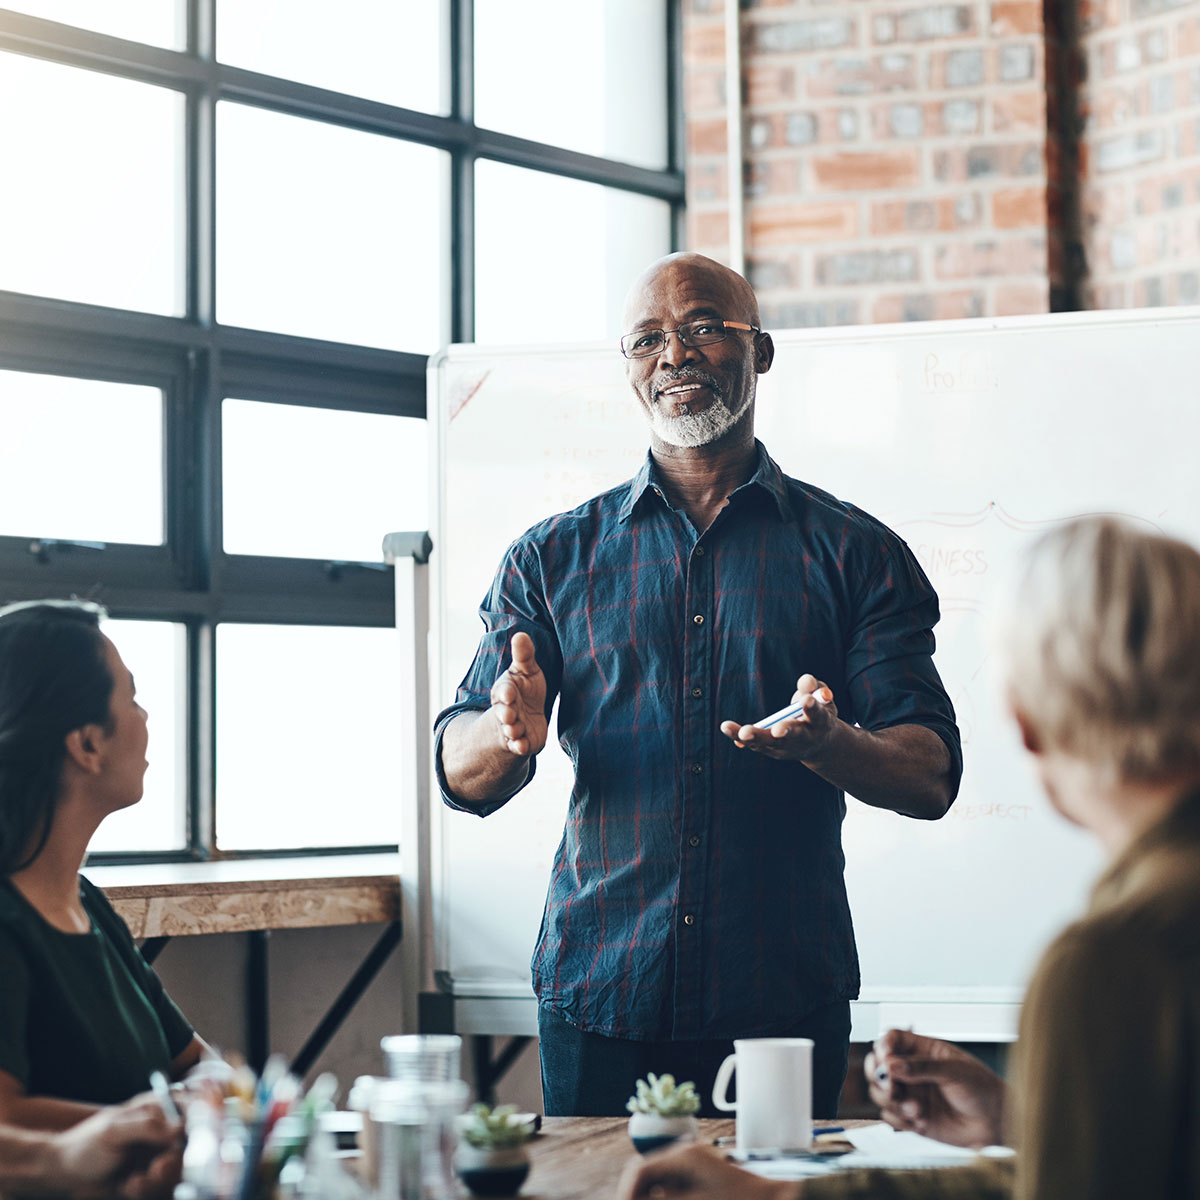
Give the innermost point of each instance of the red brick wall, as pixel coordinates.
(908, 161)
(896, 156)
(1140, 152)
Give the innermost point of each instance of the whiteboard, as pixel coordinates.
(967, 438)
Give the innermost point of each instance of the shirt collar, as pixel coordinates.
(767, 478)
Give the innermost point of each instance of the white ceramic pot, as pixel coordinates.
(491, 1171)
(652, 1131)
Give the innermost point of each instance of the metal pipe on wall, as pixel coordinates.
(733, 122)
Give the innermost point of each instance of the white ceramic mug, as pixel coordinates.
(774, 1093)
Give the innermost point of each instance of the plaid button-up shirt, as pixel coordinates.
(698, 889)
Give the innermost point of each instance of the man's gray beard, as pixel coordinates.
(696, 429)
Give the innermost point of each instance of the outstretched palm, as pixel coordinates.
(519, 700)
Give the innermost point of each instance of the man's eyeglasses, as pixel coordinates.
(694, 333)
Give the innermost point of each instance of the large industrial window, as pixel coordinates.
(231, 232)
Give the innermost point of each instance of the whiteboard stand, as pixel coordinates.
(409, 554)
(427, 1005)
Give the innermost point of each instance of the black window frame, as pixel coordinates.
(198, 363)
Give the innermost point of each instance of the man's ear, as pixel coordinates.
(1029, 735)
(764, 353)
(83, 748)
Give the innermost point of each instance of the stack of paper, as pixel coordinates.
(876, 1146)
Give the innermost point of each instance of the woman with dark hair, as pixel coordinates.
(83, 1019)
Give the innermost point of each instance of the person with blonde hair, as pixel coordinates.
(1101, 642)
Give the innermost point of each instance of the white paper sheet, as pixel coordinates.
(875, 1146)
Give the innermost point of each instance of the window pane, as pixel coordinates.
(327, 232)
(98, 215)
(379, 49)
(554, 257)
(590, 77)
(307, 723)
(155, 652)
(317, 483)
(156, 22)
(80, 459)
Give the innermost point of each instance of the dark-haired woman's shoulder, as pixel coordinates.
(19, 920)
(111, 925)
(99, 906)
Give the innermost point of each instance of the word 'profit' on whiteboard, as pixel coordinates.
(967, 438)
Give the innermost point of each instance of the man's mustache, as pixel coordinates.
(686, 375)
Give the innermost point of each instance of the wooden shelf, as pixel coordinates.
(235, 896)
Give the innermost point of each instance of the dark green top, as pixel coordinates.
(82, 1015)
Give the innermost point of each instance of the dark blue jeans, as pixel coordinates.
(590, 1075)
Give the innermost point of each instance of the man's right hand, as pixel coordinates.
(519, 700)
(936, 1089)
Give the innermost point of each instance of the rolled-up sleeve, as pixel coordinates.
(515, 603)
(889, 660)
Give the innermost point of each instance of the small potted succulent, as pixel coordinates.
(662, 1112)
(491, 1158)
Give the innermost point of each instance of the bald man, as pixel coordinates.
(697, 894)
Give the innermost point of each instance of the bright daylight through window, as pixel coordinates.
(232, 233)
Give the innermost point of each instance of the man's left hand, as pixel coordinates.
(798, 738)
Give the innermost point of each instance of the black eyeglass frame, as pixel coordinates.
(685, 337)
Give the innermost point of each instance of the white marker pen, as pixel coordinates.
(822, 694)
(162, 1093)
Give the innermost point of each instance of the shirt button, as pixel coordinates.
(696, 768)
(689, 919)
(693, 840)
(697, 692)
(698, 619)
(699, 551)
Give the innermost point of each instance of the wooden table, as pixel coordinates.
(581, 1158)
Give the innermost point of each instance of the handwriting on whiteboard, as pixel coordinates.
(950, 560)
(990, 812)
(968, 371)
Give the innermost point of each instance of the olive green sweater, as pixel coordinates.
(1105, 1096)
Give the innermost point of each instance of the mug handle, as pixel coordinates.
(721, 1085)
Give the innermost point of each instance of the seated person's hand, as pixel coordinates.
(700, 1173)
(129, 1150)
(210, 1072)
(936, 1089)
